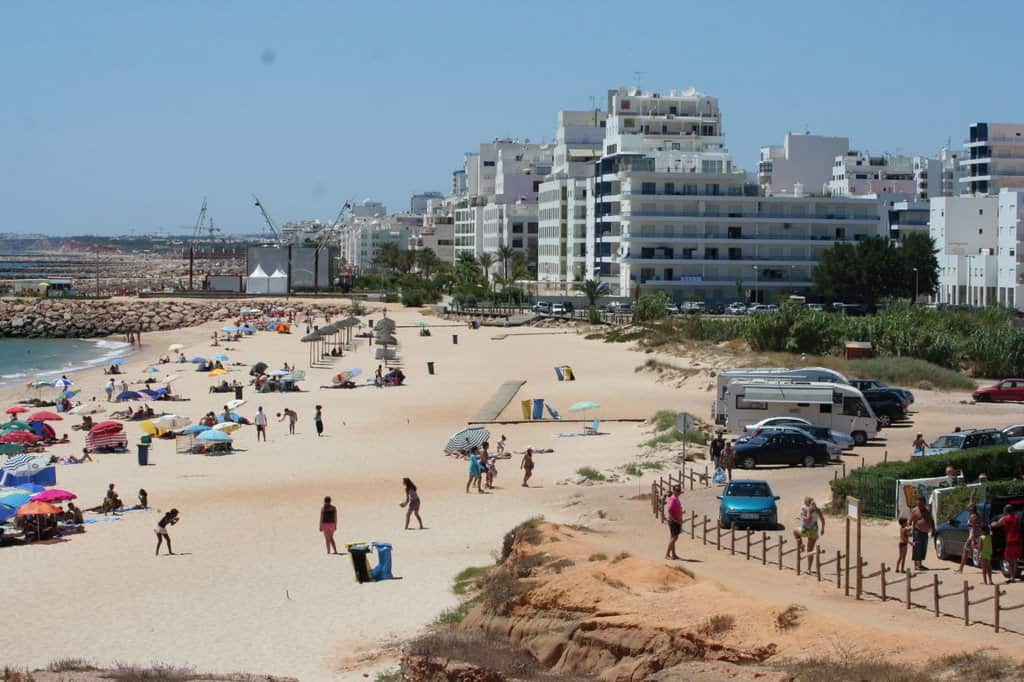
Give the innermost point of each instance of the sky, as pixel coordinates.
(119, 117)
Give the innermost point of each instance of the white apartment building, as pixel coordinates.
(668, 210)
(951, 172)
(437, 234)
(459, 186)
(469, 226)
(1010, 249)
(858, 173)
(420, 203)
(513, 225)
(561, 247)
(801, 165)
(361, 240)
(993, 158)
(966, 233)
(904, 217)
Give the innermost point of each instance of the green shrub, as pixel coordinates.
(909, 373)
(651, 307)
(391, 297)
(590, 473)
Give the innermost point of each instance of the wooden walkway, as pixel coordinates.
(499, 401)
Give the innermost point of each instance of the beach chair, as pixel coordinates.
(559, 374)
(592, 430)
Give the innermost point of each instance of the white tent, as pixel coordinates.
(278, 283)
(258, 282)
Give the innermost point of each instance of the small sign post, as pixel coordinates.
(684, 422)
(853, 514)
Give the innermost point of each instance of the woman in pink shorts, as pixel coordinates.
(329, 524)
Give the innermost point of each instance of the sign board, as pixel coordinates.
(685, 422)
(852, 508)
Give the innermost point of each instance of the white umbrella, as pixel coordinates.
(175, 347)
(235, 404)
(171, 422)
(227, 427)
(86, 408)
(62, 383)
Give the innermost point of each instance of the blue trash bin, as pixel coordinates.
(538, 408)
(143, 455)
(382, 571)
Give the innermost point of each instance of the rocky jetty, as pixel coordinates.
(54, 317)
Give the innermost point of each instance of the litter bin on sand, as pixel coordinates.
(382, 571)
(143, 454)
(455, 339)
(238, 392)
(430, 368)
(359, 551)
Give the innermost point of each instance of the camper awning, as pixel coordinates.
(764, 394)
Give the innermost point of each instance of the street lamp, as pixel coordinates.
(755, 285)
(915, 286)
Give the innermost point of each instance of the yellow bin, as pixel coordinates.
(527, 410)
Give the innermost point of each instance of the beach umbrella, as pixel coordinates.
(229, 329)
(44, 416)
(221, 357)
(214, 436)
(421, 323)
(217, 373)
(235, 404)
(54, 495)
(195, 428)
(106, 427)
(175, 347)
(38, 383)
(16, 425)
(277, 372)
(62, 383)
(148, 427)
(87, 408)
(384, 324)
(16, 409)
(465, 439)
(152, 369)
(19, 437)
(117, 361)
(171, 422)
(227, 427)
(246, 328)
(387, 340)
(31, 487)
(70, 393)
(6, 512)
(131, 395)
(583, 405)
(198, 360)
(15, 497)
(37, 508)
(347, 375)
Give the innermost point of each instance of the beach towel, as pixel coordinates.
(105, 519)
(719, 475)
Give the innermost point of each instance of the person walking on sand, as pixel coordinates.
(985, 554)
(810, 517)
(1011, 529)
(921, 524)
(527, 466)
(292, 417)
(378, 377)
(728, 458)
(674, 515)
(973, 533)
(716, 448)
(499, 452)
(901, 560)
(474, 471)
(168, 519)
(487, 463)
(329, 524)
(108, 389)
(412, 501)
(260, 420)
(318, 421)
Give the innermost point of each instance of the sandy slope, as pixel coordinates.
(253, 589)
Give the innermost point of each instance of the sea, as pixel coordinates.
(23, 360)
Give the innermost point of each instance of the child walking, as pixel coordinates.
(905, 541)
(985, 554)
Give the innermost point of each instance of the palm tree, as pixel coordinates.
(466, 269)
(486, 260)
(593, 289)
(427, 262)
(388, 257)
(505, 254)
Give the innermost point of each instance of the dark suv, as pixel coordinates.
(868, 384)
(888, 405)
(781, 448)
(951, 536)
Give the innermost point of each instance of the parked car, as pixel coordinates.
(868, 384)
(951, 536)
(748, 503)
(965, 440)
(693, 307)
(762, 309)
(820, 434)
(714, 308)
(569, 307)
(780, 448)
(844, 440)
(542, 307)
(888, 405)
(1005, 390)
(672, 309)
(736, 308)
(558, 309)
(1014, 434)
(817, 307)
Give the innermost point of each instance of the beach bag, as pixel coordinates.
(719, 475)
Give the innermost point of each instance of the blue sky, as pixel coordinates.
(118, 116)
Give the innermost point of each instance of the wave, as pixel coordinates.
(107, 343)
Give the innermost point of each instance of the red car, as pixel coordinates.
(1005, 390)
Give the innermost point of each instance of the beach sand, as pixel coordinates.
(253, 590)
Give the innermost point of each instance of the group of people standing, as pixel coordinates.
(483, 469)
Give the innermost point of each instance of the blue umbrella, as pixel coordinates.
(195, 428)
(214, 436)
(229, 330)
(62, 383)
(117, 361)
(15, 497)
(6, 512)
(220, 356)
(198, 360)
(129, 395)
(31, 487)
(246, 328)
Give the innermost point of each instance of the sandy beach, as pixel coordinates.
(252, 589)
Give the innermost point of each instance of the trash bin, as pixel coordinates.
(143, 454)
(382, 571)
(360, 563)
(455, 339)
(538, 408)
(238, 392)
(430, 368)
(525, 404)
(476, 324)
(558, 373)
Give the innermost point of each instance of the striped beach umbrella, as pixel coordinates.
(466, 439)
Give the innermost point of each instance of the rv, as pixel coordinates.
(839, 407)
(727, 376)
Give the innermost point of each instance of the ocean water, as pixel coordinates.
(23, 360)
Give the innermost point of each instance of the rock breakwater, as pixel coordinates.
(70, 318)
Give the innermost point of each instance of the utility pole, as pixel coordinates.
(916, 288)
(97, 272)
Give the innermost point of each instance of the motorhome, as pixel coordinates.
(727, 376)
(839, 407)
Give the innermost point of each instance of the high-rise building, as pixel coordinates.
(993, 158)
(420, 202)
(801, 165)
(859, 173)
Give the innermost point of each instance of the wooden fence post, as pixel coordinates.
(782, 541)
(764, 548)
(749, 533)
(817, 562)
(995, 620)
(799, 556)
(732, 540)
(693, 526)
(908, 576)
(967, 603)
(705, 533)
(884, 569)
(718, 535)
(935, 593)
(839, 569)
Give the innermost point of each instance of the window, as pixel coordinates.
(648, 188)
(517, 243)
(488, 164)
(744, 404)
(625, 104)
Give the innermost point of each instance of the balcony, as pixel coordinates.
(700, 281)
(823, 239)
(773, 217)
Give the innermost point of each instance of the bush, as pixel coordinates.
(391, 297)
(651, 307)
(590, 473)
(909, 372)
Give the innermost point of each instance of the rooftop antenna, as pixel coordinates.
(638, 76)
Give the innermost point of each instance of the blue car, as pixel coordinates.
(748, 503)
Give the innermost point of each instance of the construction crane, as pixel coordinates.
(270, 223)
(197, 231)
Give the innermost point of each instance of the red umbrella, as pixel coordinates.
(54, 495)
(105, 427)
(44, 416)
(17, 409)
(33, 508)
(19, 437)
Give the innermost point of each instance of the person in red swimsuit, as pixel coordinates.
(1011, 528)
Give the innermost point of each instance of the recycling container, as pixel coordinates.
(143, 454)
(430, 368)
(360, 562)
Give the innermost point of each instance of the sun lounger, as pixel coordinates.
(593, 429)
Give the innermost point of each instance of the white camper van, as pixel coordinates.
(726, 376)
(835, 406)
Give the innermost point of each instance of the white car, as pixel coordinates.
(843, 440)
(558, 309)
(736, 309)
